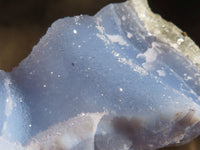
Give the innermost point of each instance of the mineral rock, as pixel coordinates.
(122, 79)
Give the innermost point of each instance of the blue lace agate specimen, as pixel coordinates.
(112, 81)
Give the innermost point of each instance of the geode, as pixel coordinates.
(122, 79)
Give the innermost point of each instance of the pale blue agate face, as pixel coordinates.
(103, 63)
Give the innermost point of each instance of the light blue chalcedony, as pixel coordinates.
(103, 63)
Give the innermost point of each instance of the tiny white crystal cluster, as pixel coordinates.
(118, 80)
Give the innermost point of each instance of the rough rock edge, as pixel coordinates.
(167, 32)
(82, 128)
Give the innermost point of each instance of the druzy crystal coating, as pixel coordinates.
(100, 82)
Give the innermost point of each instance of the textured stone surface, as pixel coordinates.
(102, 82)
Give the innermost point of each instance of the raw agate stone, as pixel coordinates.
(122, 79)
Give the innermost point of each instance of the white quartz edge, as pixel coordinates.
(166, 32)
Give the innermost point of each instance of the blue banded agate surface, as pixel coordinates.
(108, 63)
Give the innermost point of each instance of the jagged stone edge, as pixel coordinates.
(166, 32)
